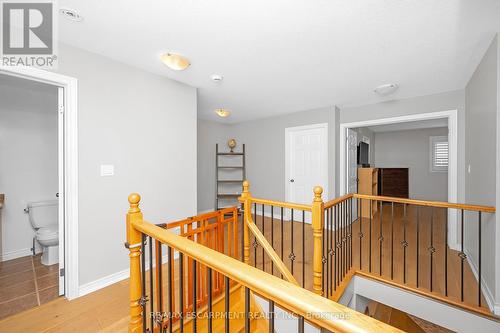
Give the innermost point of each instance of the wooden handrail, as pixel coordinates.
(283, 204)
(338, 200)
(314, 308)
(439, 204)
(270, 252)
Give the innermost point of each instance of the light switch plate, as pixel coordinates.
(107, 170)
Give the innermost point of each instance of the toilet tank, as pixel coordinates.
(43, 213)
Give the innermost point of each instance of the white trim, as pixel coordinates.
(488, 295)
(19, 253)
(70, 240)
(323, 126)
(90, 287)
(452, 116)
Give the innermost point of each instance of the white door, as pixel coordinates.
(306, 162)
(352, 167)
(61, 188)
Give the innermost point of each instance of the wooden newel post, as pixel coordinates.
(134, 240)
(317, 226)
(247, 216)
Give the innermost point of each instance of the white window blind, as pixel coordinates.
(439, 153)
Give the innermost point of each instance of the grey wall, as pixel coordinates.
(265, 147)
(453, 100)
(28, 158)
(209, 134)
(411, 149)
(481, 101)
(145, 125)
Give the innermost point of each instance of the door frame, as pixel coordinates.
(288, 130)
(69, 238)
(452, 116)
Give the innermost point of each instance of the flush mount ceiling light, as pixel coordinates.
(222, 112)
(217, 78)
(386, 89)
(175, 61)
(71, 14)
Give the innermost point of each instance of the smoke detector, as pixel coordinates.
(71, 14)
(217, 78)
(386, 89)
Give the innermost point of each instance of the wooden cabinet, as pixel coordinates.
(368, 184)
(393, 182)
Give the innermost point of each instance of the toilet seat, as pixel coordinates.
(48, 233)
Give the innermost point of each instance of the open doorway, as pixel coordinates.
(31, 181)
(443, 126)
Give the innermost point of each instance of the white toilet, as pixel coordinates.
(44, 218)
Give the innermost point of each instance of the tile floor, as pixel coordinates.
(26, 283)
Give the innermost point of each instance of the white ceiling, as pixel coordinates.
(410, 125)
(282, 56)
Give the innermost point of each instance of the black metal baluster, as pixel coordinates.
(392, 240)
(301, 324)
(209, 291)
(303, 248)
(446, 252)
(143, 281)
(292, 255)
(272, 236)
(271, 316)
(328, 252)
(226, 304)
(344, 252)
(334, 247)
(462, 256)
(195, 307)
(360, 235)
(247, 310)
(170, 288)
(324, 241)
(151, 283)
(181, 292)
(404, 243)
(431, 248)
(350, 228)
(418, 240)
(281, 241)
(264, 234)
(331, 251)
(370, 236)
(381, 236)
(479, 264)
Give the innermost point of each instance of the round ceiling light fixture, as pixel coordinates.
(223, 113)
(386, 89)
(175, 61)
(71, 14)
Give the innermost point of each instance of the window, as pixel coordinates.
(439, 153)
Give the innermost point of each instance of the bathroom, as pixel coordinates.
(29, 186)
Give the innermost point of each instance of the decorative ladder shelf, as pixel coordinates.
(225, 186)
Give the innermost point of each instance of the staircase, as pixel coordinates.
(401, 320)
(237, 311)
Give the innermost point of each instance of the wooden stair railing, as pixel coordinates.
(306, 305)
(404, 243)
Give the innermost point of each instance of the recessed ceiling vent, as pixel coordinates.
(71, 14)
(386, 89)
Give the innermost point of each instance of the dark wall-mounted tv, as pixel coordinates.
(363, 154)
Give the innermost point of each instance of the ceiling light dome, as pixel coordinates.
(175, 61)
(386, 89)
(222, 112)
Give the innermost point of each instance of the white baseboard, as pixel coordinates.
(18, 254)
(113, 278)
(488, 295)
(103, 282)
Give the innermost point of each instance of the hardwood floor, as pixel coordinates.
(107, 309)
